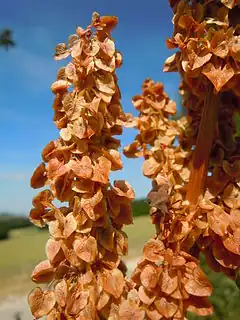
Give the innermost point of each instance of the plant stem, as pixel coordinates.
(204, 143)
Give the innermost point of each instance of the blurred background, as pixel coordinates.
(29, 32)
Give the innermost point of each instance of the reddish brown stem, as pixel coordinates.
(203, 147)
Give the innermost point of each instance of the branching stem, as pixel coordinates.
(204, 143)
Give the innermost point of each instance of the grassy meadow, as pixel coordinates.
(19, 254)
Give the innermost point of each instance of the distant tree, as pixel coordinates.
(6, 39)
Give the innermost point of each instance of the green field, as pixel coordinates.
(19, 254)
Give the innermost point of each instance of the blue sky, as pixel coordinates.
(27, 71)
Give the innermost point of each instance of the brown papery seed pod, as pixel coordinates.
(168, 279)
(83, 267)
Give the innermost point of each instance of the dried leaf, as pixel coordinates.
(79, 128)
(43, 272)
(62, 187)
(124, 215)
(65, 134)
(217, 75)
(200, 306)
(60, 86)
(105, 84)
(41, 302)
(103, 300)
(231, 197)
(123, 189)
(229, 3)
(158, 197)
(47, 151)
(61, 51)
(218, 221)
(145, 296)
(108, 22)
(86, 249)
(166, 307)
(198, 284)
(61, 291)
(153, 250)
(89, 201)
(121, 243)
(113, 282)
(76, 49)
(219, 44)
(105, 237)
(149, 277)
(170, 64)
(232, 242)
(198, 54)
(169, 281)
(108, 47)
(104, 65)
(153, 314)
(115, 158)
(92, 48)
(101, 170)
(70, 225)
(39, 177)
(56, 168)
(151, 167)
(77, 301)
(54, 251)
(130, 311)
(224, 257)
(83, 168)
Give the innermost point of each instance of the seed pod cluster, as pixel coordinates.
(207, 36)
(168, 279)
(166, 163)
(193, 163)
(170, 283)
(83, 269)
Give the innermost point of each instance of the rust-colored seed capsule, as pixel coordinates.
(83, 266)
(195, 195)
(168, 279)
(207, 36)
